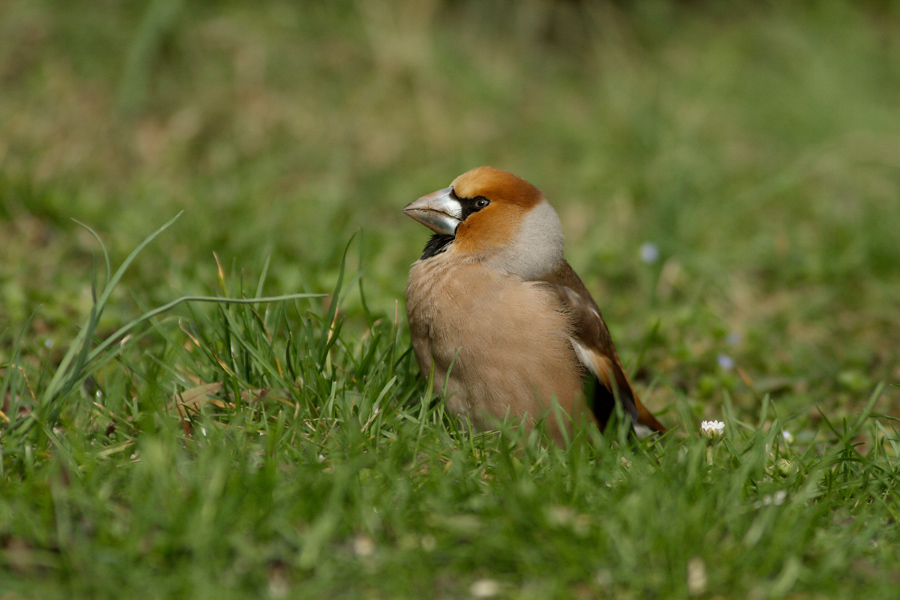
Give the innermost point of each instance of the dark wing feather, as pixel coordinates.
(594, 348)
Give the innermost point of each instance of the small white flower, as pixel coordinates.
(363, 546)
(484, 588)
(788, 437)
(649, 253)
(696, 576)
(725, 361)
(712, 429)
(776, 499)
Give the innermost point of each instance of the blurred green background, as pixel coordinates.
(727, 174)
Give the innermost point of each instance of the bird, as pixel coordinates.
(501, 317)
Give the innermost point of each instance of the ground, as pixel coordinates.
(729, 186)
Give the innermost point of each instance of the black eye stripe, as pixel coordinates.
(472, 205)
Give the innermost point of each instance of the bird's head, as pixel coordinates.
(495, 217)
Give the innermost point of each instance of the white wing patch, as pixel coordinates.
(607, 380)
(585, 356)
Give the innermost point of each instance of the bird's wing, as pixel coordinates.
(595, 350)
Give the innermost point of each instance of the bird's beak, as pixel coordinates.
(438, 211)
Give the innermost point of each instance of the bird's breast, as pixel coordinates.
(498, 343)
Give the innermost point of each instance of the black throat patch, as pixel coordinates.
(437, 244)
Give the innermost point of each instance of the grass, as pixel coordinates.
(290, 448)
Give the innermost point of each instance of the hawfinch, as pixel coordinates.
(505, 322)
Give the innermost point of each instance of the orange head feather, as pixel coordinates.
(497, 186)
(495, 226)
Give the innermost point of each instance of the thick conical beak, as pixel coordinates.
(438, 211)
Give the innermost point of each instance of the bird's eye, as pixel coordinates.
(481, 202)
